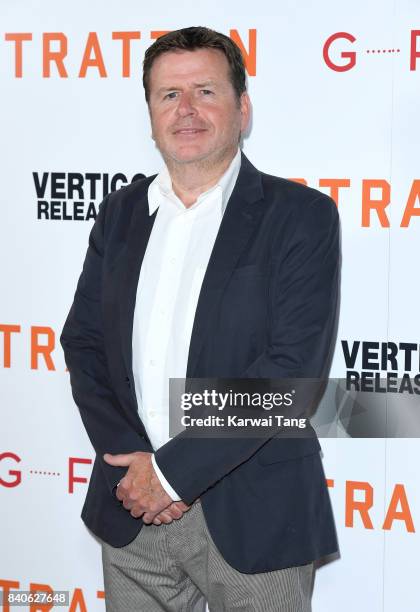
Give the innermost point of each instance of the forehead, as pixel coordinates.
(197, 65)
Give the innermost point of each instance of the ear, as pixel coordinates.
(151, 122)
(245, 105)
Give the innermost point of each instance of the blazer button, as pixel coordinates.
(127, 381)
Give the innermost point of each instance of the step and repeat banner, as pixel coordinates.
(335, 91)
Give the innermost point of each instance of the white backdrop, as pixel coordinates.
(80, 115)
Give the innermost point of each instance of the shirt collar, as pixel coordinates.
(161, 187)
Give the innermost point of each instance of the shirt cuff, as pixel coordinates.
(165, 484)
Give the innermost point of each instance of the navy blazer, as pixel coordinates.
(266, 309)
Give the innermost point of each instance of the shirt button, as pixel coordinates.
(152, 414)
(152, 362)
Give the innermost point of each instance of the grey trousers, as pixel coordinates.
(177, 568)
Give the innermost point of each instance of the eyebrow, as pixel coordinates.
(195, 85)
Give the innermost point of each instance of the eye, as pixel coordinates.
(206, 92)
(170, 96)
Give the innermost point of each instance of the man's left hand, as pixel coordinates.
(140, 490)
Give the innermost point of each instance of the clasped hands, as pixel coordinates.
(141, 492)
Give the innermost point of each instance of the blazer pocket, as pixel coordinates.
(285, 449)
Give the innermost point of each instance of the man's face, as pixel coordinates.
(194, 110)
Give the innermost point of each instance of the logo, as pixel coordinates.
(11, 472)
(56, 46)
(73, 196)
(380, 365)
(340, 54)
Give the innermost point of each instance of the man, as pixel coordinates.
(210, 269)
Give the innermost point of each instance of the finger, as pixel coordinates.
(121, 493)
(118, 460)
(123, 490)
(165, 517)
(151, 511)
(174, 512)
(148, 517)
(182, 506)
(128, 504)
(162, 517)
(132, 492)
(135, 505)
(136, 513)
(140, 509)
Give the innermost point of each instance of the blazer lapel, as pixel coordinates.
(138, 238)
(239, 220)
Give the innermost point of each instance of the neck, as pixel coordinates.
(192, 179)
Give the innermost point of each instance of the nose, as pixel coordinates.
(186, 105)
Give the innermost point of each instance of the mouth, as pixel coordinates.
(189, 131)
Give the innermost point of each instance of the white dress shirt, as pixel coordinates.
(169, 285)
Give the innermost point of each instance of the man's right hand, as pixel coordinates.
(173, 512)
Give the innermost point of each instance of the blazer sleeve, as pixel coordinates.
(82, 339)
(302, 311)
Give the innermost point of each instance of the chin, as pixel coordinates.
(186, 157)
